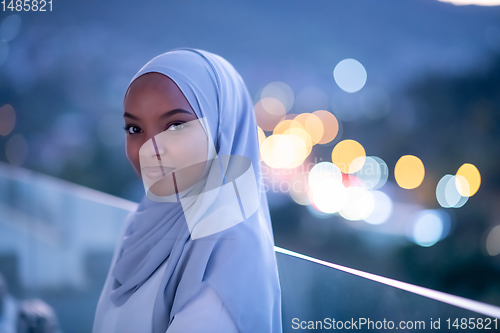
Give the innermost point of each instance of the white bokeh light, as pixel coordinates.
(280, 91)
(447, 193)
(382, 208)
(360, 204)
(373, 173)
(329, 196)
(473, 2)
(493, 241)
(323, 171)
(428, 228)
(350, 75)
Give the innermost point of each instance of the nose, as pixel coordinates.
(159, 150)
(153, 149)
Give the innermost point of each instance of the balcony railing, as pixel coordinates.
(57, 240)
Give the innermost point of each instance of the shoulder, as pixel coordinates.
(248, 243)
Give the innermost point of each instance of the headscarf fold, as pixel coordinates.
(219, 233)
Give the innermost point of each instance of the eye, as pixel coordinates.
(131, 129)
(176, 126)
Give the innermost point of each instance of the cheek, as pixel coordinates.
(190, 159)
(132, 153)
(192, 151)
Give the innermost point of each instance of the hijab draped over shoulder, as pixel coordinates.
(218, 231)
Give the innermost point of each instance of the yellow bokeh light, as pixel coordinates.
(273, 106)
(286, 124)
(298, 189)
(330, 125)
(409, 172)
(300, 151)
(275, 151)
(312, 124)
(345, 152)
(470, 175)
(283, 151)
(303, 135)
(300, 119)
(262, 135)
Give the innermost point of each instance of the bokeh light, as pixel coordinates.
(280, 91)
(312, 124)
(299, 188)
(344, 154)
(286, 124)
(409, 172)
(471, 176)
(350, 75)
(359, 204)
(268, 113)
(373, 173)
(16, 150)
(303, 136)
(493, 241)
(7, 119)
(262, 135)
(329, 196)
(278, 151)
(447, 194)
(473, 2)
(330, 125)
(428, 228)
(384, 172)
(323, 171)
(382, 208)
(301, 149)
(314, 211)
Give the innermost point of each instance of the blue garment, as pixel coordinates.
(226, 241)
(205, 312)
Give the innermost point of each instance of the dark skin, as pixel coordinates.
(163, 132)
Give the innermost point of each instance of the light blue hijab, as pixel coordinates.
(238, 262)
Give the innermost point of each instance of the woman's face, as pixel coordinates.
(165, 142)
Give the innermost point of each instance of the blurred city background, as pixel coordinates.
(379, 124)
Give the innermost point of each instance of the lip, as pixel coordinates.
(156, 172)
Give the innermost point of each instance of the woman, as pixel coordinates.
(198, 253)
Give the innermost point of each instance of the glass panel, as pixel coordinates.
(57, 240)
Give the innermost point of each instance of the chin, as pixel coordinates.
(162, 187)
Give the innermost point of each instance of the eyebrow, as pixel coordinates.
(166, 114)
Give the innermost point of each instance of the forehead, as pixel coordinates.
(154, 88)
